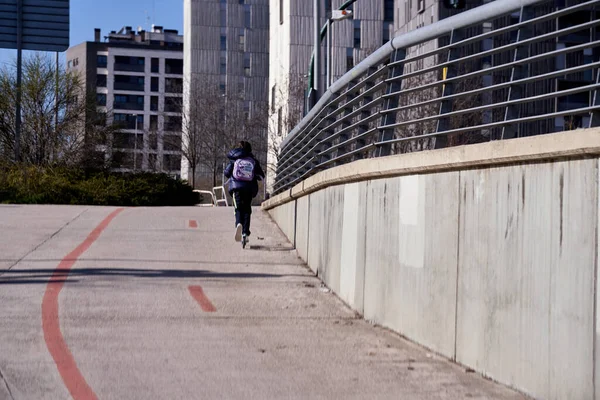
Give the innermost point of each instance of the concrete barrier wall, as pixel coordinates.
(493, 264)
(411, 254)
(526, 276)
(285, 215)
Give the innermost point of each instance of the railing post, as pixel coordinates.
(515, 92)
(595, 114)
(340, 151)
(443, 124)
(362, 128)
(392, 102)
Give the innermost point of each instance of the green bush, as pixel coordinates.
(35, 185)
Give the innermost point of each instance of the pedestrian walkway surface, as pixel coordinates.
(161, 303)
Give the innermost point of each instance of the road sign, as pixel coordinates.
(44, 24)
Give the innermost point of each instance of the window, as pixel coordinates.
(129, 64)
(388, 11)
(155, 67)
(223, 42)
(128, 121)
(247, 15)
(174, 66)
(349, 58)
(172, 162)
(172, 123)
(173, 85)
(172, 143)
(279, 122)
(241, 86)
(223, 14)
(154, 84)
(247, 109)
(357, 34)
(273, 98)
(101, 99)
(223, 66)
(154, 122)
(280, 12)
(130, 83)
(222, 88)
(247, 64)
(153, 145)
(420, 6)
(101, 61)
(100, 118)
(386, 32)
(173, 104)
(101, 80)
(242, 39)
(124, 102)
(153, 104)
(70, 64)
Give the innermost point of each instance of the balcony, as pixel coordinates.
(132, 87)
(129, 67)
(129, 106)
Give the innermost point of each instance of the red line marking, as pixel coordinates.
(193, 223)
(198, 295)
(67, 367)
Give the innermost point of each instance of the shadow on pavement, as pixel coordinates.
(33, 276)
(148, 261)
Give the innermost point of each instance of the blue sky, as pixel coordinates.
(112, 15)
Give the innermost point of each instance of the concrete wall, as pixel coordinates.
(492, 263)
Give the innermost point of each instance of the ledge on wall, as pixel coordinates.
(564, 145)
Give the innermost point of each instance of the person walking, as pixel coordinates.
(243, 172)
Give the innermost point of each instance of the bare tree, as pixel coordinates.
(212, 123)
(60, 122)
(285, 112)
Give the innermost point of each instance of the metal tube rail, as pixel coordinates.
(515, 90)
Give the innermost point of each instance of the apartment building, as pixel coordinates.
(137, 77)
(227, 46)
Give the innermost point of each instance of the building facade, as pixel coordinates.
(227, 47)
(137, 78)
(291, 49)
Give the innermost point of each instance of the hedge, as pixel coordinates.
(36, 185)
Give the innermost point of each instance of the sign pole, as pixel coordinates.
(19, 68)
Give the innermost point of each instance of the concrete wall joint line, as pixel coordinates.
(458, 241)
(595, 359)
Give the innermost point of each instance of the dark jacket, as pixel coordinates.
(243, 185)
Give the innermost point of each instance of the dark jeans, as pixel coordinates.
(242, 201)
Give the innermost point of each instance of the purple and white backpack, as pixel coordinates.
(243, 169)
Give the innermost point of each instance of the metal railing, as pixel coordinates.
(510, 68)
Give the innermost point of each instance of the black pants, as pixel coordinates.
(242, 201)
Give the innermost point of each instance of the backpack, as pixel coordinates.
(243, 169)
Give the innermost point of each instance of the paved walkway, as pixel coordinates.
(141, 303)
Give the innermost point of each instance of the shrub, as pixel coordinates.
(35, 185)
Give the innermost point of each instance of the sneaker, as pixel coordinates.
(238, 233)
